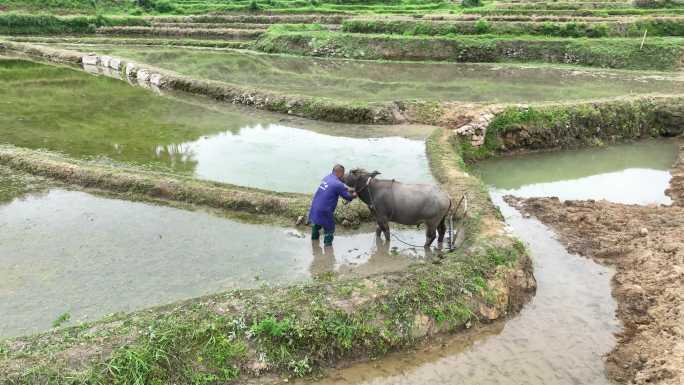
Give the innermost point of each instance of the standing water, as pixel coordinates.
(561, 336)
(65, 251)
(365, 80)
(84, 116)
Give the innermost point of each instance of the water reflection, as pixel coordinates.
(85, 116)
(282, 158)
(636, 173)
(69, 251)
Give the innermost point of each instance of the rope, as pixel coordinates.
(393, 235)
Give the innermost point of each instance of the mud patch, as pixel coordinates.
(645, 244)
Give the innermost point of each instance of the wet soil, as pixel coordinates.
(646, 245)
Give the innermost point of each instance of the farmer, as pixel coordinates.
(324, 204)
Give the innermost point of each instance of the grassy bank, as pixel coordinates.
(26, 24)
(293, 331)
(205, 43)
(267, 205)
(579, 124)
(216, 33)
(627, 28)
(656, 53)
(580, 12)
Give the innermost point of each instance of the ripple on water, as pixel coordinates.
(69, 251)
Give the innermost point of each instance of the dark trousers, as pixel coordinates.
(329, 234)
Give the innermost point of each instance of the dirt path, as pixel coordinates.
(646, 245)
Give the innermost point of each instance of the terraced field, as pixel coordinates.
(421, 90)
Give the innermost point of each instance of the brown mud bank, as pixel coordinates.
(266, 333)
(646, 245)
(281, 207)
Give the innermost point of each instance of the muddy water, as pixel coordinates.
(65, 251)
(636, 173)
(562, 334)
(85, 116)
(388, 81)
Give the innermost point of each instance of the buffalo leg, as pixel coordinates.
(378, 230)
(430, 235)
(441, 230)
(386, 230)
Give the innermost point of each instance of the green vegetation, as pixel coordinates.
(580, 12)
(572, 125)
(16, 24)
(656, 53)
(172, 42)
(199, 7)
(61, 320)
(630, 28)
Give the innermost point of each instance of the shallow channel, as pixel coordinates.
(562, 334)
(68, 251)
(357, 80)
(85, 116)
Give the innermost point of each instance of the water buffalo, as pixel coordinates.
(407, 204)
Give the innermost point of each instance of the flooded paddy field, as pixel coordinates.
(631, 173)
(75, 248)
(68, 251)
(563, 334)
(373, 81)
(85, 116)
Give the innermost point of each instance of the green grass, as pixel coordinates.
(61, 319)
(575, 124)
(631, 28)
(156, 7)
(16, 23)
(656, 54)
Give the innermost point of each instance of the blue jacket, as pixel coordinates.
(325, 201)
